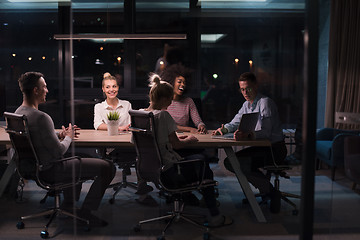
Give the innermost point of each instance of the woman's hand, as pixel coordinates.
(193, 130)
(202, 129)
(190, 139)
(124, 128)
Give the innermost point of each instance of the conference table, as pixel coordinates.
(95, 138)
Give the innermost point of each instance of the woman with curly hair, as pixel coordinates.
(182, 108)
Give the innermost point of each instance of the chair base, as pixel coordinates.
(123, 184)
(176, 215)
(120, 185)
(283, 195)
(54, 212)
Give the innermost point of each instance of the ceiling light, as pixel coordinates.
(211, 38)
(117, 36)
(106, 40)
(34, 1)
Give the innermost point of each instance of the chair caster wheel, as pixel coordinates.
(161, 238)
(295, 212)
(206, 236)
(44, 234)
(20, 225)
(137, 228)
(111, 201)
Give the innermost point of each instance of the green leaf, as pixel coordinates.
(113, 116)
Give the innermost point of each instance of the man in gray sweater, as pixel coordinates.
(51, 145)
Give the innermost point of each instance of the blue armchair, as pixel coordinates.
(330, 147)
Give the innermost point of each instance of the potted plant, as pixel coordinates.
(113, 123)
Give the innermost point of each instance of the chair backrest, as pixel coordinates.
(149, 161)
(27, 162)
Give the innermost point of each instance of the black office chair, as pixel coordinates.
(125, 161)
(149, 168)
(277, 171)
(280, 171)
(28, 166)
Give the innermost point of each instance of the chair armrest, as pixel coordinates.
(328, 134)
(192, 160)
(77, 180)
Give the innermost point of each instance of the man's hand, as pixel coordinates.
(64, 133)
(76, 131)
(238, 135)
(220, 131)
(69, 131)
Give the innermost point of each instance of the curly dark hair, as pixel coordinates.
(171, 72)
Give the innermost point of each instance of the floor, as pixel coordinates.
(336, 213)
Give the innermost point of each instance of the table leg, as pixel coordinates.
(244, 184)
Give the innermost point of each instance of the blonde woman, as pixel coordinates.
(161, 95)
(110, 89)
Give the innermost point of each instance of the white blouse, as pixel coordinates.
(102, 109)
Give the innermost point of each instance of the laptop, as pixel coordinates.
(247, 124)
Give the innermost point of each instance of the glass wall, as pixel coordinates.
(224, 39)
(222, 42)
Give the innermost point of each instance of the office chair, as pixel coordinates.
(280, 171)
(149, 168)
(28, 167)
(124, 163)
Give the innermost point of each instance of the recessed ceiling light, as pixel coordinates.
(211, 38)
(37, 1)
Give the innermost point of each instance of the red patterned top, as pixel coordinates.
(182, 110)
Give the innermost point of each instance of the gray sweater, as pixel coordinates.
(45, 139)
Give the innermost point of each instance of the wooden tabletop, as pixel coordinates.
(4, 137)
(96, 138)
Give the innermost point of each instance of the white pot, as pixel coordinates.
(112, 127)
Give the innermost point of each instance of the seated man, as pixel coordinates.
(51, 146)
(268, 126)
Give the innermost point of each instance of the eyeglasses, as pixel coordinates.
(248, 90)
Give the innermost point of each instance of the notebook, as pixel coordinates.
(247, 124)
